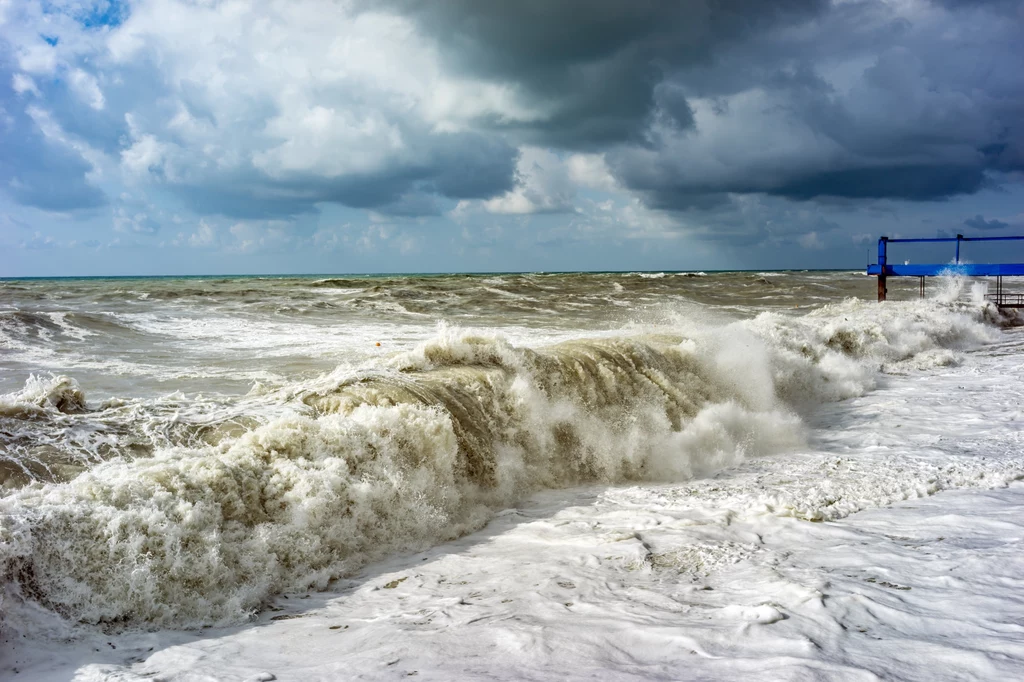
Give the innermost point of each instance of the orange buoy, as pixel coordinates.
(378, 343)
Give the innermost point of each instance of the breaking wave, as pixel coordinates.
(425, 447)
(41, 395)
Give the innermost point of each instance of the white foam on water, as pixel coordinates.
(719, 578)
(77, 333)
(425, 447)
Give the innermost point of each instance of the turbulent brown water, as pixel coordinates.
(170, 361)
(174, 451)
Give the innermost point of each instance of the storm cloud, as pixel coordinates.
(978, 222)
(926, 118)
(592, 70)
(418, 108)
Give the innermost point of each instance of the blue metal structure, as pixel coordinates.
(882, 269)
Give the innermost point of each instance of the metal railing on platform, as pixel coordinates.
(1006, 300)
(883, 269)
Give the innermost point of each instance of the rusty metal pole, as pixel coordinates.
(882, 243)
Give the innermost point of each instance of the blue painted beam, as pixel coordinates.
(953, 239)
(945, 269)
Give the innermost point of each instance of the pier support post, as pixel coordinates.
(882, 243)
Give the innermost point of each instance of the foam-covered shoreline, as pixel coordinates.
(425, 447)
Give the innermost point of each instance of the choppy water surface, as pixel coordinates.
(175, 451)
(148, 362)
(146, 336)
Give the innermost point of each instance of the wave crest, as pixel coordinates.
(42, 394)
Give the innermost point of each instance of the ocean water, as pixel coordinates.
(176, 452)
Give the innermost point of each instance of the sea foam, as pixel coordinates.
(425, 446)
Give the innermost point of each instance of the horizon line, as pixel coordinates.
(439, 273)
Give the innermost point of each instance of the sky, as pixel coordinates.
(312, 136)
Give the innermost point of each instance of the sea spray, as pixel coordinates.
(425, 446)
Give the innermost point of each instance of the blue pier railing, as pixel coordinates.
(882, 269)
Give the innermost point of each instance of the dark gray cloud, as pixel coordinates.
(917, 182)
(594, 65)
(412, 206)
(457, 166)
(1006, 6)
(932, 116)
(978, 222)
(470, 166)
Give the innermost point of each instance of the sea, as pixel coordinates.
(178, 453)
